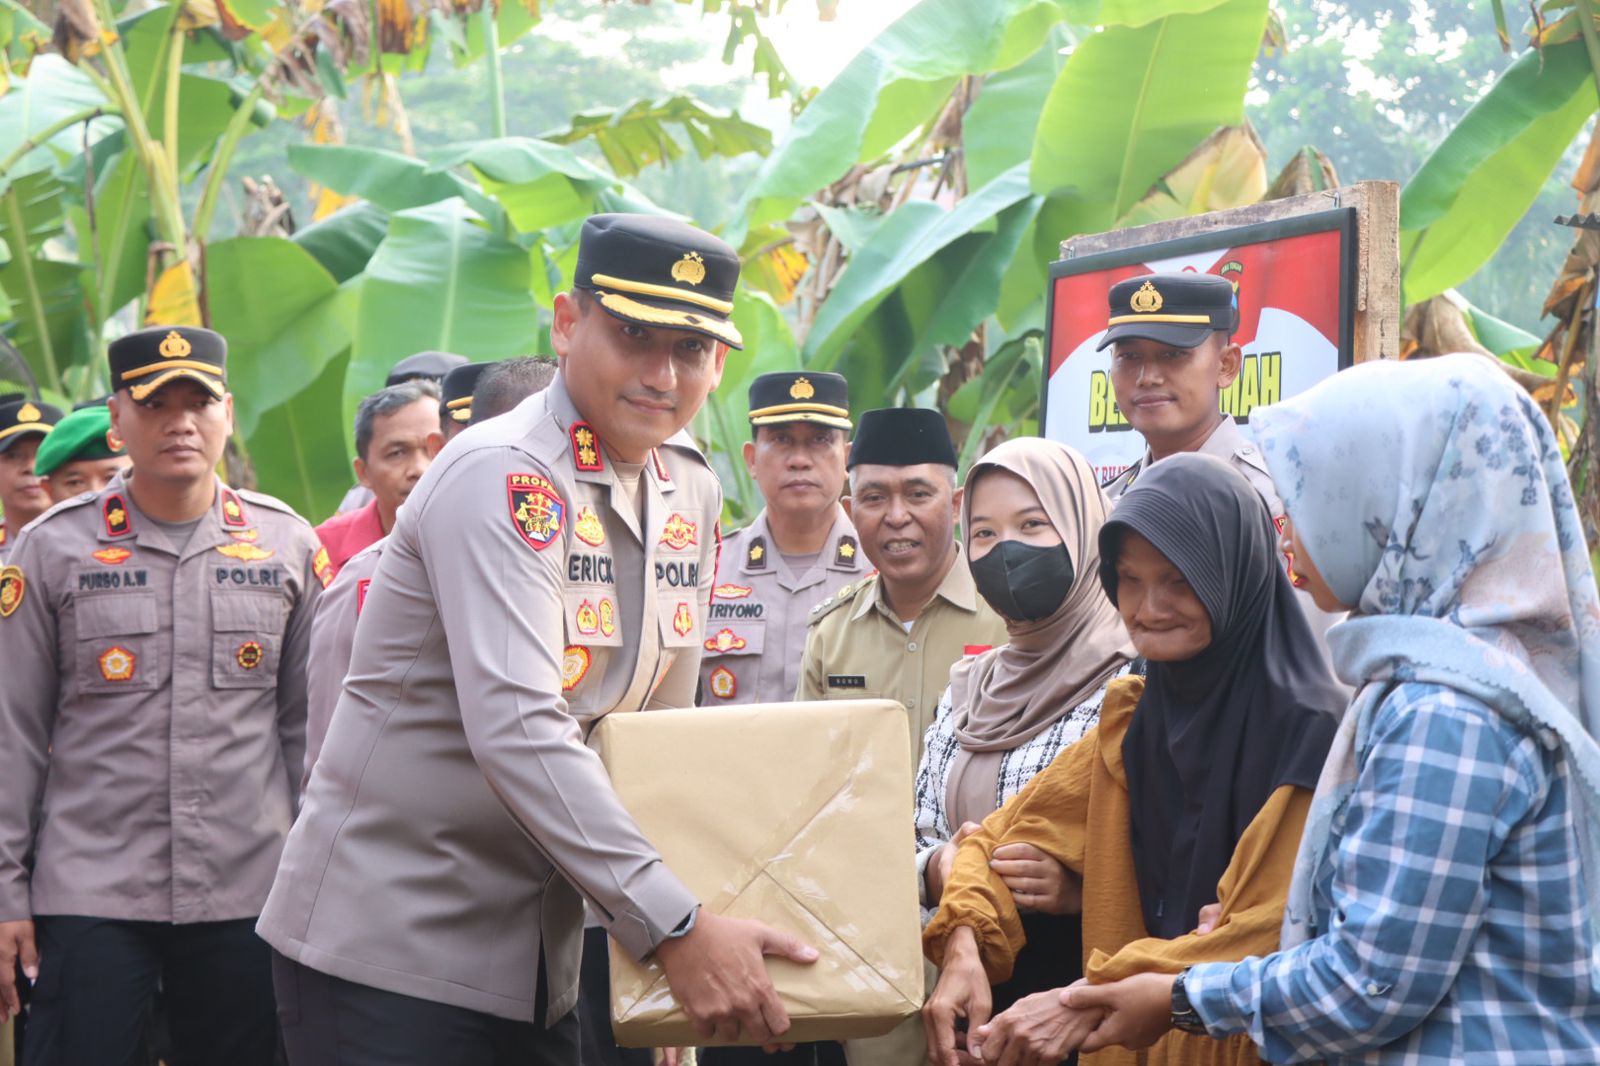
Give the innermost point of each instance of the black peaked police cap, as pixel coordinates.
(431, 365)
(456, 390)
(656, 271)
(147, 359)
(21, 417)
(1176, 309)
(787, 396)
(902, 436)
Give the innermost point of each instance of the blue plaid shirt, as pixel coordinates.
(1452, 904)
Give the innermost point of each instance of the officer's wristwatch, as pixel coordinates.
(1184, 1018)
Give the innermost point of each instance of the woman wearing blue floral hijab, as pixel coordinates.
(1444, 902)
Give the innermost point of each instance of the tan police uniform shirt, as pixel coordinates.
(333, 635)
(454, 807)
(1229, 443)
(857, 647)
(152, 708)
(756, 627)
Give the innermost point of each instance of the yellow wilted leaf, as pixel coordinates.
(1229, 169)
(788, 266)
(198, 14)
(174, 301)
(323, 120)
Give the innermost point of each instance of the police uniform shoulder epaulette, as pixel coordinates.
(684, 444)
(70, 504)
(271, 503)
(845, 594)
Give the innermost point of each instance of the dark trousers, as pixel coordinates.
(328, 1021)
(97, 980)
(594, 1007)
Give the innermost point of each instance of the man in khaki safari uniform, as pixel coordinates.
(799, 550)
(152, 725)
(553, 566)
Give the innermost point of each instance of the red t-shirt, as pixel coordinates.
(345, 534)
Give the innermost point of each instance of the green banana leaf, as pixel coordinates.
(998, 130)
(344, 241)
(1475, 186)
(899, 81)
(907, 238)
(538, 184)
(53, 90)
(641, 133)
(284, 315)
(440, 280)
(388, 179)
(299, 448)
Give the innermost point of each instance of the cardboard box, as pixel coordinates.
(797, 814)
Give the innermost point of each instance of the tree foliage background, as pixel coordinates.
(336, 184)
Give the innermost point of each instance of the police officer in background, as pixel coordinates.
(896, 633)
(455, 402)
(552, 567)
(23, 425)
(799, 550)
(152, 722)
(1172, 354)
(81, 454)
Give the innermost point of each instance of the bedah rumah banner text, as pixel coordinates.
(1293, 282)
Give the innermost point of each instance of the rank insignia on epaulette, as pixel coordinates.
(661, 468)
(117, 663)
(13, 586)
(245, 552)
(112, 556)
(724, 686)
(536, 509)
(322, 567)
(232, 511)
(574, 665)
(846, 553)
(755, 556)
(114, 509)
(249, 655)
(586, 448)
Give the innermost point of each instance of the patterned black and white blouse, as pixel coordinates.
(1017, 767)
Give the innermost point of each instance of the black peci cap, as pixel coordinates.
(902, 436)
(147, 359)
(798, 397)
(659, 272)
(455, 393)
(21, 417)
(1177, 309)
(432, 365)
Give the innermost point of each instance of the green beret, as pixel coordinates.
(83, 434)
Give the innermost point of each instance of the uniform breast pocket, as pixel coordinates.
(592, 617)
(735, 638)
(119, 648)
(246, 637)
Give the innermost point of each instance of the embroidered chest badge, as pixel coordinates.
(608, 617)
(574, 665)
(245, 552)
(589, 528)
(726, 640)
(537, 509)
(732, 592)
(587, 619)
(112, 556)
(249, 655)
(724, 686)
(682, 620)
(117, 663)
(679, 533)
(13, 586)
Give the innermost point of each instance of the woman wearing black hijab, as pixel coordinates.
(1193, 788)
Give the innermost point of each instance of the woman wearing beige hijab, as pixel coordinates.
(1031, 521)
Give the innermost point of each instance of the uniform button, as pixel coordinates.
(1247, 450)
(912, 646)
(1373, 989)
(911, 705)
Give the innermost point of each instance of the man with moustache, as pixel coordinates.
(800, 548)
(552, 567)
(23, 425)
(1172, 354)
(152, 724)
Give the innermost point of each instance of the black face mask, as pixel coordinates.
(1024, 582)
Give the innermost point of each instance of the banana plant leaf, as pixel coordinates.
(1482, 178)
(640, 134)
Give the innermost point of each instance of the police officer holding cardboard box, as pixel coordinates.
(552, 567)
(152, 721)
(799, 550)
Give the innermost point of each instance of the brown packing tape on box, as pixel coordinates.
(797, 814)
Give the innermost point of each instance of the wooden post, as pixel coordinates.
(1377, 204)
